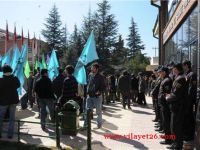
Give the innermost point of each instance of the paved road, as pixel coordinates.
(135, 124)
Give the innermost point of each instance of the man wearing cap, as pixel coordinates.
(154, 94)
(165, 88)
(190, 104)
(176, 100)
(8, 98)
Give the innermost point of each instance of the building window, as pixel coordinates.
(183, 44)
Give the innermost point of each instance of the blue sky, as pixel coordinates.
(31, 14)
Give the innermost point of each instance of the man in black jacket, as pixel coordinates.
(8, 98)
(44, 91)
(124, 86)
(69, 87)
(58, 83)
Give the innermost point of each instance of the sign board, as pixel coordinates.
(181, 11)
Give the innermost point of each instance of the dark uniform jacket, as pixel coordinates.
(156, 88)
(178, 93)
(8, 89)
(165, 88)
(191, 79)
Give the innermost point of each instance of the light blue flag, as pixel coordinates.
(6, 58)
(88, 55)
(19, 71)
(1, 74)
(53, 65)
(41, 66)
(89, 52)
(80, 73)
(15, 58)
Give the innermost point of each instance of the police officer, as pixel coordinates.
(189, 116)
(176, 100)
(154, 94)
(165, 88)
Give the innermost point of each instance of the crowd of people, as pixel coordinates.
(173, 91)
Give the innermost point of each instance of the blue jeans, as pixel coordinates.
(43, 112)
(97, 102)
(12, 109)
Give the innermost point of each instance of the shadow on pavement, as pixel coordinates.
(141, 112)
(106, 124)
(99, 146)
(134, 143)
(74, 141)
(22, 114)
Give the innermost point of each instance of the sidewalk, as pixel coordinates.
(135, 124)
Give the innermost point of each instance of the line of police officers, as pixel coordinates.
(174, 97)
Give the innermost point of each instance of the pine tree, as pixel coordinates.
(75, 46)
(119, 54)
(134, 40)
(87, 27)
(106, 32)
(53, 32)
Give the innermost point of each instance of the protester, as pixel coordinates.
(141, 89)
(112, 88)
(30, 89)
(95, 88)
(69, 88)
(44, 91)
(37, 77)
(124, 86)
(8, 98)
(134, 88)
(58, 83)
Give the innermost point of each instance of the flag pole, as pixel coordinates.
(7, 38)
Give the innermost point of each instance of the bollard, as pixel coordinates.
(57, 131)
(18, 130)
(89, 129)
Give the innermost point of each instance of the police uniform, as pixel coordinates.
(165, 88)
(189, 117)
(176, 101)
(154, 94)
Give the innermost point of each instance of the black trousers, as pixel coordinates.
(125, 98)
(141, 98)
(166, 115)
(177, 125)
(157, 109)
(189, 125)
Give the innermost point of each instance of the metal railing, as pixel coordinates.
(57, 130)
(56, 125)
